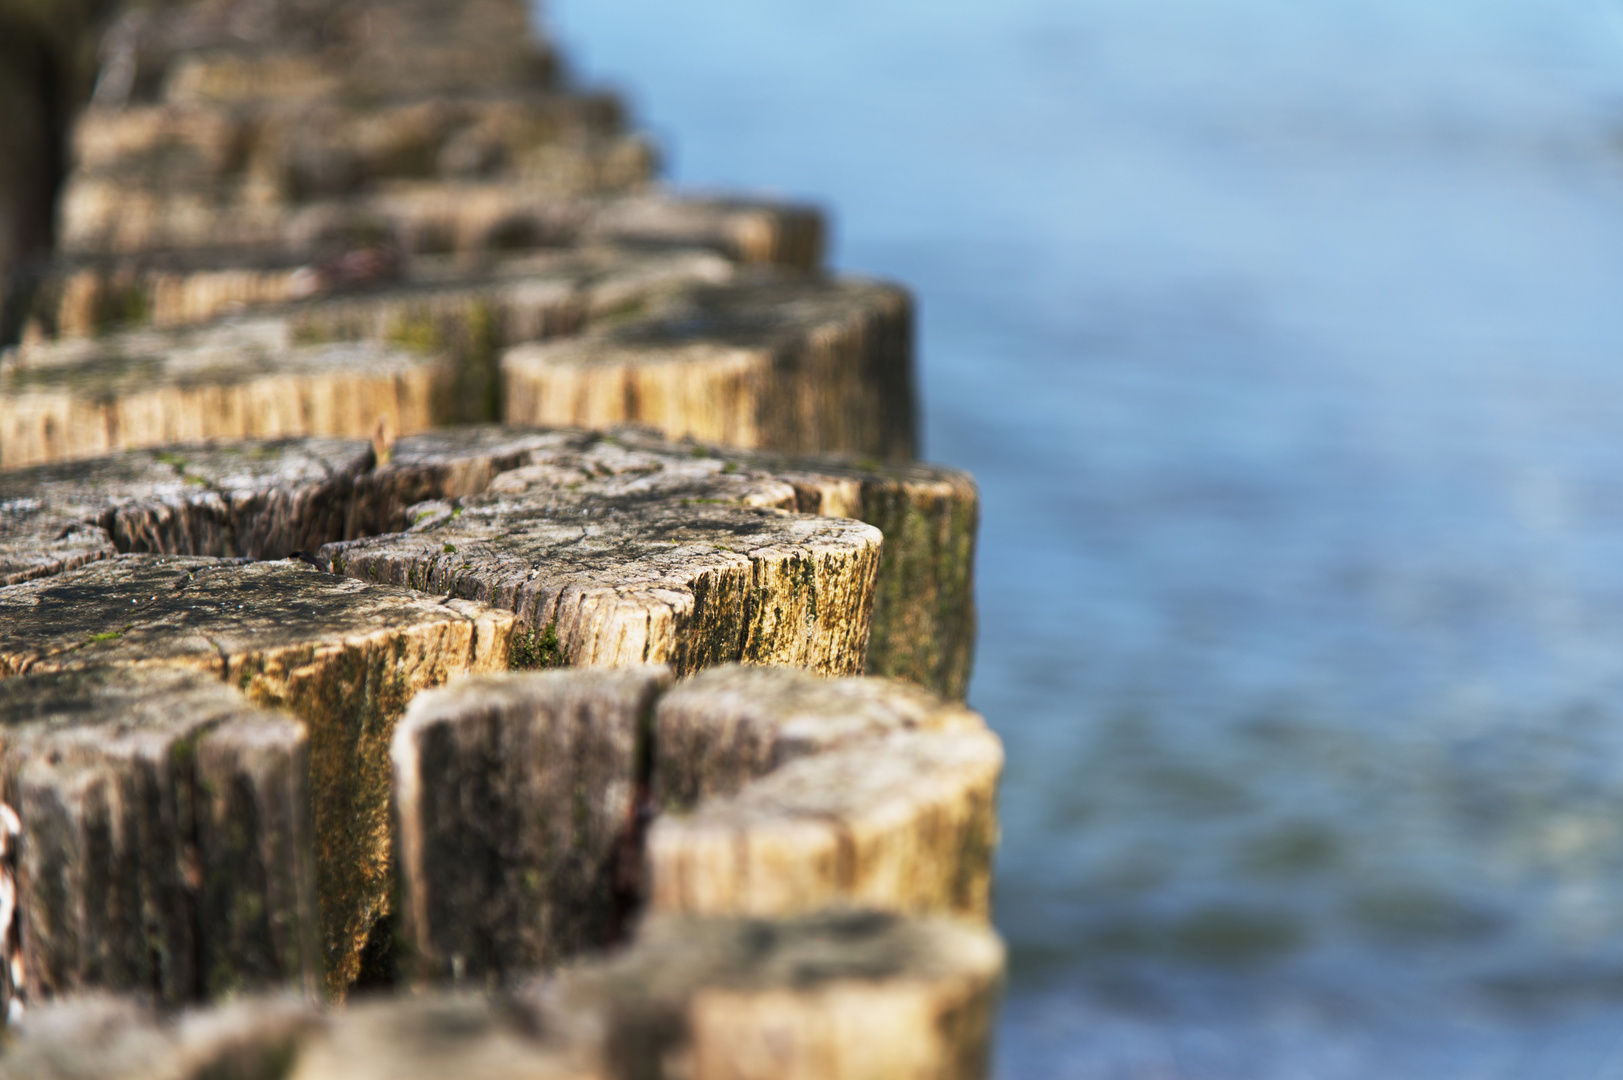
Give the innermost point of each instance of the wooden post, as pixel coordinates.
(164, 841)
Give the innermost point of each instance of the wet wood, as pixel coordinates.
(165, 840)
(77, 399)
(515, 801)
(785, 363)
(344, 657)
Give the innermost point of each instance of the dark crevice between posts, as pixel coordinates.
(629, 893)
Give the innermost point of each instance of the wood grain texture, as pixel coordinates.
(344, 657)
(165, 840)
(654, 564)
(258, 500)
(781, 362)
(785, 794)
(721, 729)
(82, 398)
(515, 805)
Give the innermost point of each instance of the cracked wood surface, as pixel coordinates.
(618, 571)
(515, 799)
(770, 792)
(267, 500)
(165, 840)
(344, 657)
(678, 341)
(259, 500)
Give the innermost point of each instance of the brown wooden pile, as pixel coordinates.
(275, 719)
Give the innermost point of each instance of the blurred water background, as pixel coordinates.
(1285, 338)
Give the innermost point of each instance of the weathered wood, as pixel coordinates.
(779, 362)
(924, 599)
(132, 208)
(472, 318)
(601, 576)
(780, 793)
(77, 399)
(260, 925)
(783, 793)
(515, 807)
(837, 996)
(266, 500)
(746, 230)
(164, 837)
(463, 217)
(721, 729)
(460, 319)
(905, 823)
(254, 500)
(309, 148)
(366, 292)
(344, 657)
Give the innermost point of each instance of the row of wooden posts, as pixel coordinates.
(463, 607)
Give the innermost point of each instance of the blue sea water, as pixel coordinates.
(1285, 338)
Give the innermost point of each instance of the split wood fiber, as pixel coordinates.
(344, 657)
(165, 837)
(267, 500)
(516, 801)
(520, 800)
(341, 229)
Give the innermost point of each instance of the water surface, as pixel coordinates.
(1285, 338)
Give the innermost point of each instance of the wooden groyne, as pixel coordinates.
(439, 562)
